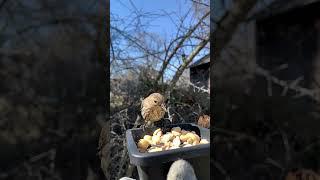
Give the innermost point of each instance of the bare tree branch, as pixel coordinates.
(227, 25)
(201, 3)
(300, 90)
(188, 34)
(185, 64)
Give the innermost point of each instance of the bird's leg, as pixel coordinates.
(147, 124)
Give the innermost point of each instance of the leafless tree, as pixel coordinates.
(51, 56)
(163, 51)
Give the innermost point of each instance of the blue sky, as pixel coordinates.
(163, 26)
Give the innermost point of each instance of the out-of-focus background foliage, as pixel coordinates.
(266, 84)
(52, 92)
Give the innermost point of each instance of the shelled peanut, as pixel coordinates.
(176, 138)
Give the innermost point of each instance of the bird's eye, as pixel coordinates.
(155, 101)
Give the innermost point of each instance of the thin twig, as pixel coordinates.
(300, 90)
(201, 89)
(169, 114)
(274, 163)
(221, 169)
(233, 133)
(287, 148)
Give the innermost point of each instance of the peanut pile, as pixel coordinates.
(177, 138)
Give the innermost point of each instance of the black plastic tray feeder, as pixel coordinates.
(156, 165)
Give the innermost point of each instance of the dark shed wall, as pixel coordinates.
(199, 75)
(289, 38)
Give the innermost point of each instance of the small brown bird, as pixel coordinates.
(153, 108)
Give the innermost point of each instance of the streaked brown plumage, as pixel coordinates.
(153, 108)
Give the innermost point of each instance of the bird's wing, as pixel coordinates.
(145, 113)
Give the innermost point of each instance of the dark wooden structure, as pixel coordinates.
(199, 72)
